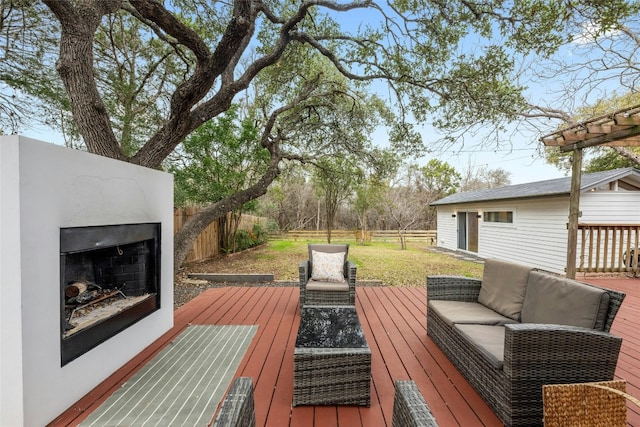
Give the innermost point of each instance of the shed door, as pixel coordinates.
(472, 231)
(468, 231)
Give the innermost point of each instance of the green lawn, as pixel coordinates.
(384, 262)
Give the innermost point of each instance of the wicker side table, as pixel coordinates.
(332, 360)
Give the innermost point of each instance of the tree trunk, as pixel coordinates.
(184, 238)
(75, 66)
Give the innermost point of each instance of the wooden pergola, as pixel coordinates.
(620, 128)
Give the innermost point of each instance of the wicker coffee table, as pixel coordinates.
(331, 360)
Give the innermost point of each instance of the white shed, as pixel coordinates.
(527, 223)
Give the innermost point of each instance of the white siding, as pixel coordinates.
(614, 207)
(447, 228)
(537, 237)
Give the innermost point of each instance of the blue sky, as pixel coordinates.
(518, 154)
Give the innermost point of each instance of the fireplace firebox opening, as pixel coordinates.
(109, 280)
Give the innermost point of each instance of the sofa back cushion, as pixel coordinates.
(552, 299)
(503, 287)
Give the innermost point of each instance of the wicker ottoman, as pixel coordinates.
(331, 360)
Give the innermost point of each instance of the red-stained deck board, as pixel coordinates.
(394, 322)
(627, 326)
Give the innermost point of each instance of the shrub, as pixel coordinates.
(248, 239)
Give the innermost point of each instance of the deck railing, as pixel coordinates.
(609, 248)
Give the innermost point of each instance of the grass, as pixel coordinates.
(376, 261)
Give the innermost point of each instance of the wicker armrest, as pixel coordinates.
(559, 353)
(410, 408)
(237, 408)
(304, 272)
(351, 271)
(453, 288)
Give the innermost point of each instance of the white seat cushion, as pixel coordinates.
(315, 285)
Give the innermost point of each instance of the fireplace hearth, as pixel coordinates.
(109, 280)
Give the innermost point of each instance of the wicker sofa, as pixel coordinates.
(518, 329)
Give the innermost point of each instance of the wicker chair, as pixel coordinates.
(314, 292)
(409, 407)
(237, 408)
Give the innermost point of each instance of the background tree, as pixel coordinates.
(31, 94)
(406, 202)
(411, 45)
(483, 177)
(335, 179)
(370, 191)
(217, 160)
(437, 179)
(290, 200)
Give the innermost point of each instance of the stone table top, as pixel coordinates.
(330, 327)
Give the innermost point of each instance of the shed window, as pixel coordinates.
(500, 216)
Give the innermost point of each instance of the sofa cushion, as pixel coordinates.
(503, 287)
(328, 267)
(315, 285)
(456, 312)
(488, 340)
(552, 299)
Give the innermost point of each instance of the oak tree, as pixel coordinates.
(419, 50)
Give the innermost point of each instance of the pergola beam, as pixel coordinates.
(621, 128)
(622, 137)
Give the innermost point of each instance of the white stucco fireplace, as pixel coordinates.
(50, 195)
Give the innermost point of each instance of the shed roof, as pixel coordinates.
(548, 188)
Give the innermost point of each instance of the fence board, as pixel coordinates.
(207, 244)
(357, 235)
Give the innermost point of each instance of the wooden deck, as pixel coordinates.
(393, 320)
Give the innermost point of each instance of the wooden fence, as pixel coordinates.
(207, 244)
(408, 235)
(609, 248)
(357, 235)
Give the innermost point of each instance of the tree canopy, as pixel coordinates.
(140, 76)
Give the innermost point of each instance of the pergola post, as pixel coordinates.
(574, 213)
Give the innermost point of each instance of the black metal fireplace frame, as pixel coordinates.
(80, 239)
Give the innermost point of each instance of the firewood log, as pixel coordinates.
(74, 289)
